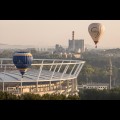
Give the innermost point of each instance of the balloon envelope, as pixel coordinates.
(22, 61)
(96, 31)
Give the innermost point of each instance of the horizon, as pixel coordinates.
(6, 46)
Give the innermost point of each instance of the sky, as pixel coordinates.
(47, 33)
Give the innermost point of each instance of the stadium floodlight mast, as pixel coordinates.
(110, 70)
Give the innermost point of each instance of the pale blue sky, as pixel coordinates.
(51, 32)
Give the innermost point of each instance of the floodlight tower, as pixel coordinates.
(110, 71)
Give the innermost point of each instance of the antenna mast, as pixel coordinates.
(110, 71)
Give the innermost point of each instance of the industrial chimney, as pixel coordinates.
(73, 40)
(72, 35)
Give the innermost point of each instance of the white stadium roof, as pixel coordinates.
(32, 76)
(40, 75)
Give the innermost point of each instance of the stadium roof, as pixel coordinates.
(32, 76)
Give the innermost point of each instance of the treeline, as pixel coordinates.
(93, 94)
(90, 74)
(31, 96)
(86, 94)
(96, 68)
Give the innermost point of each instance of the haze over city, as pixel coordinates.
(59, 60)
(50, 32)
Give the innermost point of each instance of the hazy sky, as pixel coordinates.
(51, 32)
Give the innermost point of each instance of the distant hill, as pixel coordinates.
(2, 44)
(6, 46)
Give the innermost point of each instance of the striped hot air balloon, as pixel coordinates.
(22, 61)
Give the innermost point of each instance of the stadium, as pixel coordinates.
(44, 76)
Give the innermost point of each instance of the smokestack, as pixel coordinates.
(72, 35)
(73, 40)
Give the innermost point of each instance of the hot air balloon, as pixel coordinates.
(96, 31)
(22, 61)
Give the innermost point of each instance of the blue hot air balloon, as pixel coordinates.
(22, 61)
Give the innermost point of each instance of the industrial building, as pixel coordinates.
(76, 44)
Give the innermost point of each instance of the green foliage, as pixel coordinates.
(93, 74)
(73, 97)
(99, 61)
(93, 94)
(7, 96)
(57, 97)
(87, 94)
(31, 96)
